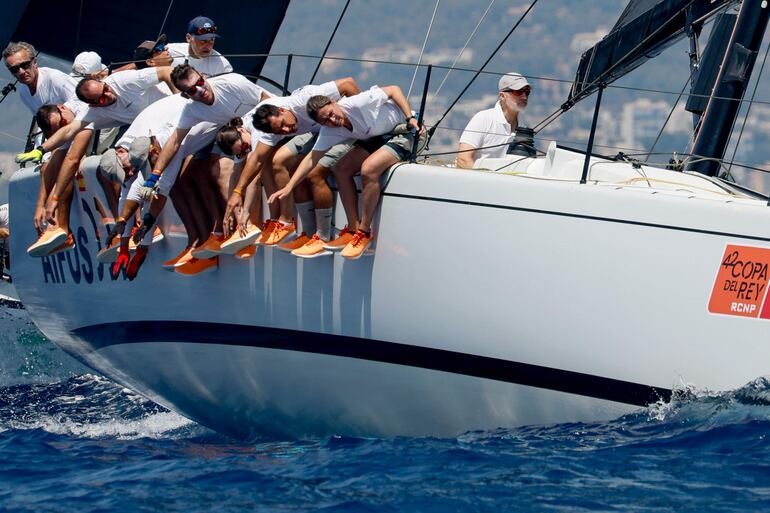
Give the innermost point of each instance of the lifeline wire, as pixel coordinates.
(422, 50)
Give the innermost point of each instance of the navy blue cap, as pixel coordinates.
(202, 27)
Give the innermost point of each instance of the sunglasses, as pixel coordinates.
(160, 47)
(205, 30)
(193, 89)
(103, 99)
(245, 147)
(20, 66)
(525, 91)
(62, 121)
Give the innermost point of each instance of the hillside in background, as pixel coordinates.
(546, 47)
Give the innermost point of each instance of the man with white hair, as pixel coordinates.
(488, 132)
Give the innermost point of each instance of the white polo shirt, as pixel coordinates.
(371, 113)
(214, 64)
(158, 120)
(295, 103)
(130, 87)
(234, 96)
(489, 128)
(53, 87)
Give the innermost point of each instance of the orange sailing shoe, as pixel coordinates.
(47, 242)
(267, 230)
(357, 245)
(178, 260)
(313, 248)
(280, 232)
(341, 241)
(209, 248)
(246, 252)
(68, 245)
(295, 243)
(235, 242)
(198, 266)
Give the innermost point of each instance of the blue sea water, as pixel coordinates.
(71, 440)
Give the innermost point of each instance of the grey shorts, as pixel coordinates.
(303, 144)
(399, 145)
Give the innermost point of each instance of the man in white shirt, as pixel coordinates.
(111, 102)
(488, 132)
(159, 122)
(274, 120)
(216, 100)
(363, 117)
(43, 85)
(198, 50)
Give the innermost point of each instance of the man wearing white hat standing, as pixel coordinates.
(488, 132)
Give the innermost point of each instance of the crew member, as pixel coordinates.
(488, 132)
(362, 117)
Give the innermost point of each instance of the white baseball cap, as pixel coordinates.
(87, 63)
(512, 82)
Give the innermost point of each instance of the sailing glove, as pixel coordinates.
(35, 155)
(149, 187)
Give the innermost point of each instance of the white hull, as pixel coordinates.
(491, 301)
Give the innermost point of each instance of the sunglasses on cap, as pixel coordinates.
(202, 31)
(20, 66)
(193, 89)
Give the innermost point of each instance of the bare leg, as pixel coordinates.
(371, 171)
(322, 193)
(344, 172)
(111, 192)
(283, 161)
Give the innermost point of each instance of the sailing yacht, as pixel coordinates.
(602, 283)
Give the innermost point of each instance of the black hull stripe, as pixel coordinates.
(104, 335)
(576, 216)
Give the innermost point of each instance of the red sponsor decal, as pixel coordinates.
(741, 284)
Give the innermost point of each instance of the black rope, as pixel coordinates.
(329, 42)
(748, 109)
(430, 133)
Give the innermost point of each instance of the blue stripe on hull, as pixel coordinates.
(103, 335)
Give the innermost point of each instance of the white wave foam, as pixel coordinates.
(155, 426)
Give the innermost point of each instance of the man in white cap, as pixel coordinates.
(89, 64)
(488, 132)
(199, 51)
